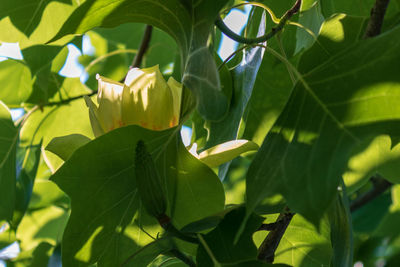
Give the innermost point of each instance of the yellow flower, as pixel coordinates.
(144, 99)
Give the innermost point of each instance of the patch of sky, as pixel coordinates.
(10, 50)
(235, 20)
(72, 68)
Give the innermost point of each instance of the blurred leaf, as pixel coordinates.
(8, 144)
(388, 227)
(39, 232)
(362, 8)
(367, 218)
(335, 106)
(46, 193)
(34, 21)
(221, 240)
(105, 197)
(7, 236)
(39, 57)
(54, 121)
(255, 263)
(27, 169)
(36, 257)
(50, 88)
(42, 225)
(148, 253)
(16, 82)
(64, 146)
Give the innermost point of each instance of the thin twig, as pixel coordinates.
(66, 101)
(144, 45)
(228, 32)
(377, 15)
(113, 53)
(380, 185)
(266, 252)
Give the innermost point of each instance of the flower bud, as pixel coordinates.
(149, 183)
(144, 99)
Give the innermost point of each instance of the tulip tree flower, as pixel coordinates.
(144, 99)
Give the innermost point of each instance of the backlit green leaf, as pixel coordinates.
(335, 106)
(16, 82)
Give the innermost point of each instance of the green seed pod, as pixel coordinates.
(149, 183)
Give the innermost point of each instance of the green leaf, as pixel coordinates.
(311, 20)
(225, 152)
(39, 57)
(7, 236)
(362, 8)
(100, 180)
(36, 257)
(304, 245)
(46, 193)
(188, 23)
(148, 253)
(42, 225)
(38, 234)
(16, 82)
(388, 225)
(255, 263)
(336, 105)
(64, 146)
(54, 121)
(367, 218)
(34, 21)
(221, 240)
(370, 157)
(8, 144)
(341, 231)
(27, 168)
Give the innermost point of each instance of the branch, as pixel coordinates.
(380, 186)
(268, 226)
(66, 101)
(377, 15)
(266, 252)
(137, 60)
(223, 28)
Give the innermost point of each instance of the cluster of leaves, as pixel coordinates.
(320, 100)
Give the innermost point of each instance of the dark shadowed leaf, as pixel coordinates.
(8, 145)
(221, 240)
